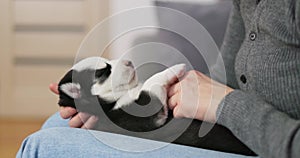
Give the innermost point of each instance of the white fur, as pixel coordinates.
(90, 63)
(128, 97)
(71, 89)
(122, 85)
(122, 79)
(157, 85)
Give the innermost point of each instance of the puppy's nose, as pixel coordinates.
(128, 63)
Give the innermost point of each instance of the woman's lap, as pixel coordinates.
(56, 139)
(55, 121)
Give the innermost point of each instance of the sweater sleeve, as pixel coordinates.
(234, 37)
(297, 14)
(267, 131)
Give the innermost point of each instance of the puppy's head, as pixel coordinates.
(95, 81)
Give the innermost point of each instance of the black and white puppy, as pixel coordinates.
(110, 90)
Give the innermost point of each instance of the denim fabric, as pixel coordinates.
(57, 140)
(55, 121)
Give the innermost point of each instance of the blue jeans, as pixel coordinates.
(56, 139)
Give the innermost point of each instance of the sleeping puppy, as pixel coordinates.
(111, 91)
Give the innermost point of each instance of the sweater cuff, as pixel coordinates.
(258, 124)
(233, 108)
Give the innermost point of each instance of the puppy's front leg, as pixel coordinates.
(164, 79)
(157, 85)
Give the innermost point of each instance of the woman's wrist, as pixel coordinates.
(221, 104)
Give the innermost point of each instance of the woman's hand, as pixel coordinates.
(196, 96)
(77, 120)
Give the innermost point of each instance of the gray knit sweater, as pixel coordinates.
(261, 53)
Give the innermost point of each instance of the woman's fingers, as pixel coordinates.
(84, 117)
(54, 88)
(83, 120)
(174, 95)
(67, 112)
(76, 122)
(176, 112)
(174, 89)
(90, 123)
(173, 101)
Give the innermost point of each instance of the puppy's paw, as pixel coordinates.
(166, 77)
(178, 70)
(157, 85)
(161, 119)
(173, 73)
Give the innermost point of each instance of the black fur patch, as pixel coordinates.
(102, 74)
(64, 99)
(85, 78)
(144, 98)
(148, 106)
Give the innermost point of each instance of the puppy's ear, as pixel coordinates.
(102, 74)
(71, 89)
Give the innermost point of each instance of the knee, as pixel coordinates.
(55, 121)
(39, 143)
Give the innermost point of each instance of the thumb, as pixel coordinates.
(177, 112)
(54, 88)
